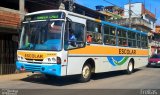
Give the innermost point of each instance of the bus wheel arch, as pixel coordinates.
(130, 66)
(87, 70)
(91, 62)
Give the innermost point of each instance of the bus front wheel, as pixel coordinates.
(86, 73)
(130, 67)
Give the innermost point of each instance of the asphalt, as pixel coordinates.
(144, 81)
(16, 76)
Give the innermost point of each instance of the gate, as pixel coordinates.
(8, 47)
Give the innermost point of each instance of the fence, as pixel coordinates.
(8, 49)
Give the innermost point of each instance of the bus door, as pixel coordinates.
(74, 40)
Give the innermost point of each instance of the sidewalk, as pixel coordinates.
(14, 76)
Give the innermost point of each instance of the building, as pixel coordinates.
(142, 20)
(11, 13)
(155, 41)
(144, 15)
(113, 12)
(158, 29)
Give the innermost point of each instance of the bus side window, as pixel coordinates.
(89, 37)
(106, 34)
(94, 32)
(144, 42)
(74, 36)
(113, 35)
(109, 35)
(122, 37)
(131, 39)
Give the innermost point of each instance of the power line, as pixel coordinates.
(130, 14)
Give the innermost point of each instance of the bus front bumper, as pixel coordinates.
(51, 69)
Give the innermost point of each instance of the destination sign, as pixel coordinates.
(45, 16)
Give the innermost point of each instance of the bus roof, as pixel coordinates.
(90, 18)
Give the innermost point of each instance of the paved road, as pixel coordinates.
(148, 78)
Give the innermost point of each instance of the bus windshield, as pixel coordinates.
(42, 35)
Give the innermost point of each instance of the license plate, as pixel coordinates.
(153, 63)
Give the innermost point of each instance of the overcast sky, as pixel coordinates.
(151, 5)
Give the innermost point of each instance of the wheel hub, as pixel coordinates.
(86, 71)
(130, 66)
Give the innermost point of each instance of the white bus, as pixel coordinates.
(61, 43)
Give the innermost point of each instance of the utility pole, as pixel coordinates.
(22, 8)
(130, 14)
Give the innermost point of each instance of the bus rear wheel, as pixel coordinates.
(130, 67)
(86, 73)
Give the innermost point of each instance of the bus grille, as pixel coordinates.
(32, 68)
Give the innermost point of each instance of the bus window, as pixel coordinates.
(122, 40)
(74, 36)
(94, 32)
(138, 40)
(144, 42)
(131, 39)
(106, 29)
(109, 35)
(89, 37)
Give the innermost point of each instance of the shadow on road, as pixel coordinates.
(62, 81)
(111, 74)
(59, 81)
(153, 67)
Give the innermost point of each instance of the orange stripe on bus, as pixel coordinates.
(109, 51)
(97, 20)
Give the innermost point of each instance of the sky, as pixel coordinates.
(151, 5)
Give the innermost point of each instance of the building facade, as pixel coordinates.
(140, 12)
(143, 20)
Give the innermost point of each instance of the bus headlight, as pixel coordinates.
(20, 58)
(49, 60)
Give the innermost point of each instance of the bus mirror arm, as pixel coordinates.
(69, 20)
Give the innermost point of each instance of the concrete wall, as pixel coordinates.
(137, 11)
(136, 8)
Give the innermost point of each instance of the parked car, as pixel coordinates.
(154, 60)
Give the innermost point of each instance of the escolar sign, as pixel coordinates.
(34, 56)
(127, 51)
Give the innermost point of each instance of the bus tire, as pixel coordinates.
(148, 65)
(130, 67)
(86, 73)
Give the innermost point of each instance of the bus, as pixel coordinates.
(55, 43)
